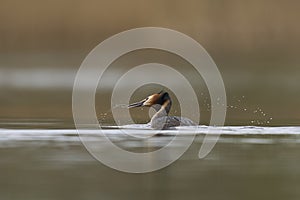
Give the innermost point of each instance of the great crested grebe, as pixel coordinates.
(162, 103)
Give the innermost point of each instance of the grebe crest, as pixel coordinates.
(162, 103)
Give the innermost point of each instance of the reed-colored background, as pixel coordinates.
(254, 43)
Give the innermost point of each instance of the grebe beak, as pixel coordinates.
(137, 104)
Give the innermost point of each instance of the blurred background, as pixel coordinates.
(255, 44)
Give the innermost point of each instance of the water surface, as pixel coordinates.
(247, 163)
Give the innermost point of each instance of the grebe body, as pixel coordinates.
(162, 103)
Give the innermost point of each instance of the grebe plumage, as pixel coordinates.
(162, 103)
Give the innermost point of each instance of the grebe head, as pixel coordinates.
(162, 103)
(154, 99)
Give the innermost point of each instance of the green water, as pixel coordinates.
(239, 167)
(255, 45)
(233, 170)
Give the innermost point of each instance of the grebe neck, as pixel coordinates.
(162, 110)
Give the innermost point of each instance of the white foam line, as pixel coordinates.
(226, 130)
